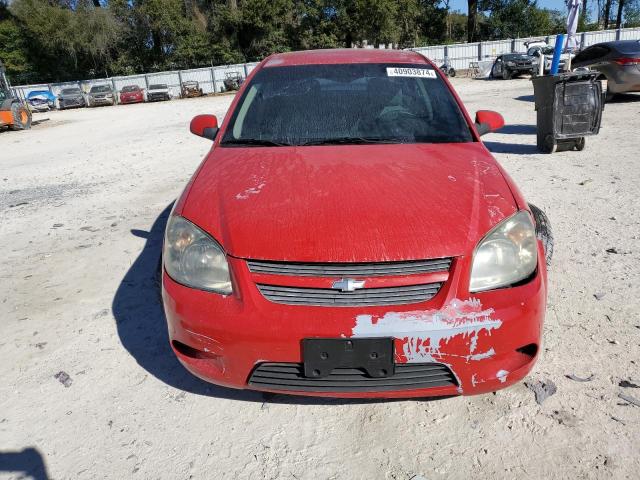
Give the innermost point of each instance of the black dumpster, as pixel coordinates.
(569, 107)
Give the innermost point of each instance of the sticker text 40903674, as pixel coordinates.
(411, 72)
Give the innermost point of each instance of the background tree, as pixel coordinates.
(57, 40)
(472, 20)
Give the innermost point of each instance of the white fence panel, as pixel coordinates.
(461, 54)
(630, 34)
(491, 50)
(435, 53)
(598, 37)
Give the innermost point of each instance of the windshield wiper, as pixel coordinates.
(350, 141)
(256, 142)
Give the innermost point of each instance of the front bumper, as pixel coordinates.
(101, 101)
(69, 103)
(157, 97)
(124, 100)
(492, 341)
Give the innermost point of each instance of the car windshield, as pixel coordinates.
(100, 89)
(157, 86)
(130, 88)
(71, 91)
(346, 104)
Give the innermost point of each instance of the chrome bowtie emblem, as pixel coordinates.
(348, 285)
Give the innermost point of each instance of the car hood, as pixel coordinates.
(159, 90)
(349, 203)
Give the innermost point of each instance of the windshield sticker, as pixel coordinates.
(411, 72)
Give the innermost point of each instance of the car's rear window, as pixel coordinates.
(591, 53)
(71, 91)
(157, 86)
(130, 88)
(316, 104)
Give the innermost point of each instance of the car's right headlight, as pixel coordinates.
(194, 259)
(506, 255)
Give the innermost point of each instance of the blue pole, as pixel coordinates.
(555, 63)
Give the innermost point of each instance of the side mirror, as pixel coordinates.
(205, 126)
(488, 121)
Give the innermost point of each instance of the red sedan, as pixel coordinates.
(131, 94)
(349, 235)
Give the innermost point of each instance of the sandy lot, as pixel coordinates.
(90, 388)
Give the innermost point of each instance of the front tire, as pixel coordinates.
(21, 117)
(506, 74)
(543, 232)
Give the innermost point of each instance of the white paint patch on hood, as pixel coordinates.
(424, 332)
(250, 191)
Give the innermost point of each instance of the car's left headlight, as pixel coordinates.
(194, 259)
(506, 255)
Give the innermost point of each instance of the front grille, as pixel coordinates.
(349, 269)
(408, 376)
(366, 296)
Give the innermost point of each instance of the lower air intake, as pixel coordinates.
(408, 376)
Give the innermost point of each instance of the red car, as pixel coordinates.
(349, 235)
(131, 94)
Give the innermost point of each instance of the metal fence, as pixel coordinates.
(211, 78)
(461, 54)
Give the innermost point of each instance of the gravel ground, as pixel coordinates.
(91, 390)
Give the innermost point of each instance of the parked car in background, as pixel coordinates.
(131, 94)
(41, 100)
(543, 52)
(100, 95)
(232, 81)
(191, 89)
(618, 62)
(421, 271)
(158, 92)
(71, 97)
(511, 65)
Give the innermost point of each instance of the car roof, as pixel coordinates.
(344, 55)
(623, 46)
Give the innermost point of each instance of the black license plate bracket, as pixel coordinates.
(322, 355)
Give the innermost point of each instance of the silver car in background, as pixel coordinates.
(618, 62)
(100, 95)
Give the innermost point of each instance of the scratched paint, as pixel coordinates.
(425, 332)
(502, 375)
(481, 356)
(250, 191)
